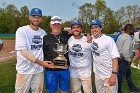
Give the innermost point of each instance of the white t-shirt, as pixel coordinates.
(104, 50)
(32, 41)
(80, 57)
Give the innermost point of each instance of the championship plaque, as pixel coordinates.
(60, 61)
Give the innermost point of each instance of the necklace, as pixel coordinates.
(57, 37)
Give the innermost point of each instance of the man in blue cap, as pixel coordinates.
(80, 59)
(28, 46)
(105, 56)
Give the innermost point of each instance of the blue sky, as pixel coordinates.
(66, 9)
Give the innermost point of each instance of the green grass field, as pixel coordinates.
(8, 75)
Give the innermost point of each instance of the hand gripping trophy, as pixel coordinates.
(60, 61)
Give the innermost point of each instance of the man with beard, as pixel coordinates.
(29, 43)
(80, 59)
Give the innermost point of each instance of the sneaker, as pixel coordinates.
(138, 66)
(133, 65)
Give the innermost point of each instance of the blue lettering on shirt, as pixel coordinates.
(36, 47)
(37, 43)
(95, 48)
(77, 48)
(76, 54)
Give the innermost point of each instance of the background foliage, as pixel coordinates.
(12, 18)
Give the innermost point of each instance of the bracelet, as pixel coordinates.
(114, 72)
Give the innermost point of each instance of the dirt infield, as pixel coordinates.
(8, 50)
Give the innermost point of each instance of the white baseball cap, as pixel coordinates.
(56, 20)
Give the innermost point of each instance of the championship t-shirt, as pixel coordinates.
(104, 50)
(80, 57)
(32, 41)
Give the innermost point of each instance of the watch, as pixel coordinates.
(114, 72)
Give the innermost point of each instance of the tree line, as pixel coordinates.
(112, 20)
(11, 18)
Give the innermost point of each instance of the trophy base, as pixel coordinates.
(61, 67)
(60, 62)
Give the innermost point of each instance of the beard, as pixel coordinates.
(77, 33)
(35, 23)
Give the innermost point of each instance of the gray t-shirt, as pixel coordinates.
(125, 46)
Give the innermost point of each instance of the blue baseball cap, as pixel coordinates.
(95, 22)
(35, 12)
(74, 22)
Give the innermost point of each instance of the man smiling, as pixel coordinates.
(29, 40)
(105, 56)
(80, 59)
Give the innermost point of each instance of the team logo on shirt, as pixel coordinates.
(76, 47)
(95, 47)
(76, 51)
(37, 40)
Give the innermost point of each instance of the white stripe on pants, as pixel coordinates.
(26, 81)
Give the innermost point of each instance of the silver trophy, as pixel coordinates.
(60, 61)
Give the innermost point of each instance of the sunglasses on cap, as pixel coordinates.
(56, 19)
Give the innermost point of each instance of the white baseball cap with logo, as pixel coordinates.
(56, 20)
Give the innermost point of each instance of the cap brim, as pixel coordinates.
(55, 22)
(35, 15)
(95, 24)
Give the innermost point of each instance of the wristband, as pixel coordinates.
(114, 72)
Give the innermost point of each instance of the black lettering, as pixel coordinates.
(59, 62)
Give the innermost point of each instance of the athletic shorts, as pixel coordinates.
(57, 78)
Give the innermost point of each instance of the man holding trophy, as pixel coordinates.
(55, 50)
